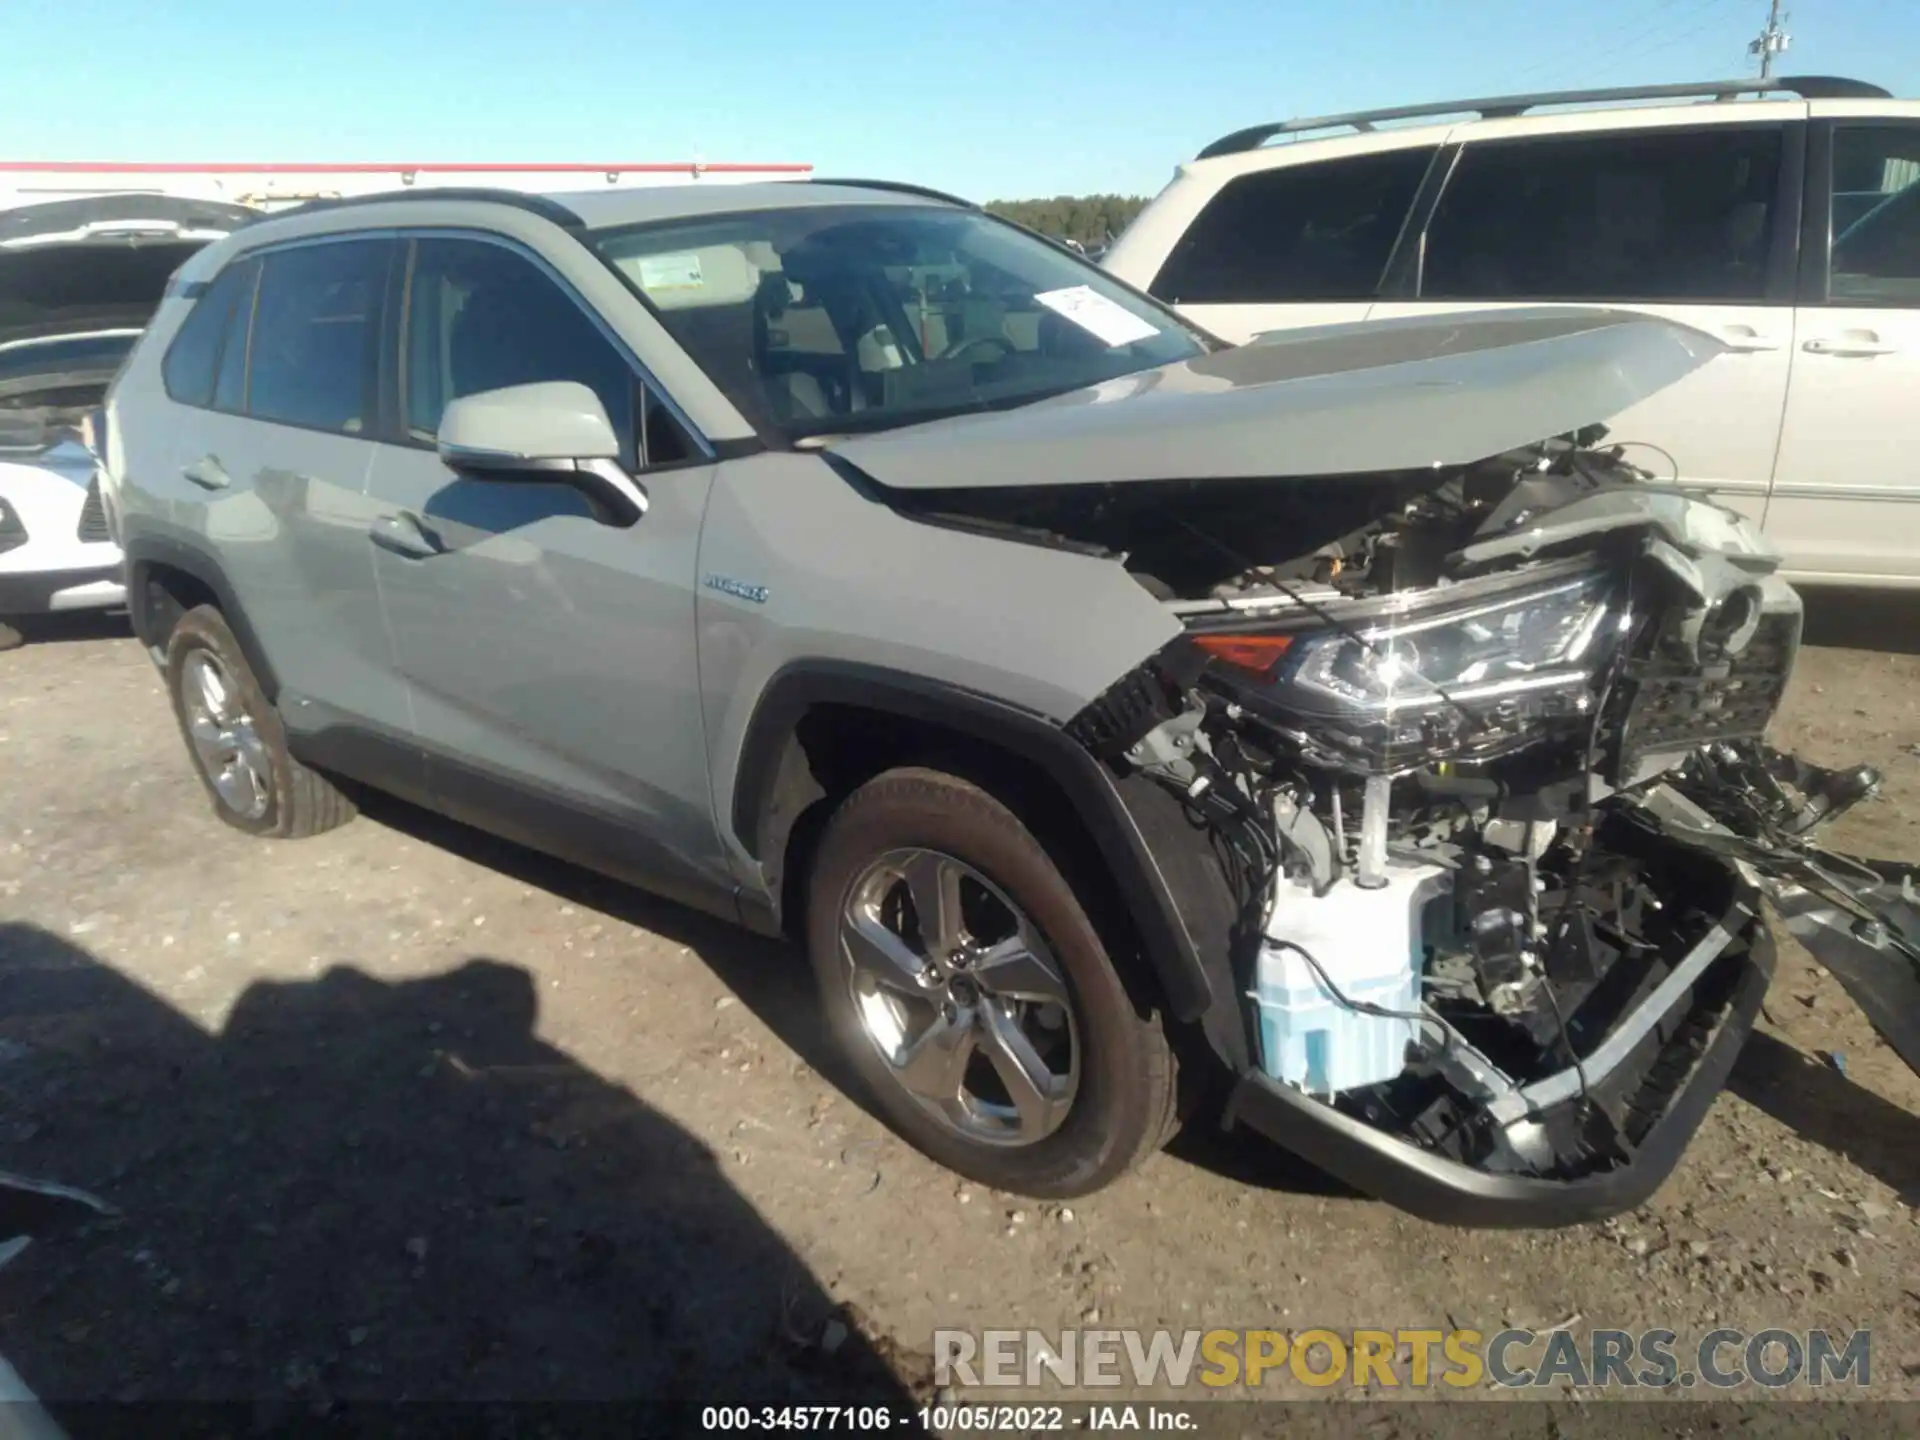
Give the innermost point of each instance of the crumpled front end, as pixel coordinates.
(1480, 780)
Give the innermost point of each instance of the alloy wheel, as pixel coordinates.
(957, 990)
(225, 739)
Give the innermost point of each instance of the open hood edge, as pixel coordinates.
(1364, 398)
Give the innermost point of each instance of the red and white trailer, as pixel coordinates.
(276, 186)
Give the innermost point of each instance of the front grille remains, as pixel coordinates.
(93, 516)
(1677, 705)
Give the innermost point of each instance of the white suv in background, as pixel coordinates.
(1787, 226)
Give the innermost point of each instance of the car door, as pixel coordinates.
(550, 656)
(1288, 246)
(277, 368)
(1695, 223)
(1846, 493)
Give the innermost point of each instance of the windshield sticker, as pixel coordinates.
(1098, 316)
(670, 272)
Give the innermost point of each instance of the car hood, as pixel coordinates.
(71, 267)
(1341, 399)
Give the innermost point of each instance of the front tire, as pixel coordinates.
(238, 744)
(974, 996)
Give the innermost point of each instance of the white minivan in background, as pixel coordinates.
(1786, 225)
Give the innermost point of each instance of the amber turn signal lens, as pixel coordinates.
(1255, 653)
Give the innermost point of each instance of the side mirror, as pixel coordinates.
(554, 432)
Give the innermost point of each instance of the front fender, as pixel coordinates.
(1869, 939)
(1151, 861)
(1859, 918)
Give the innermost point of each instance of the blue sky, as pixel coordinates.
(990, 98)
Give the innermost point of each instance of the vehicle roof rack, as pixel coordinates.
(542, 205)
(1807, 87)
(900, 186)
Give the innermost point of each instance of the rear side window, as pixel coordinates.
(230, 380)
(1306, 232)
(1876, 216)
(1656, 215)
(313, 357)
(193, 359)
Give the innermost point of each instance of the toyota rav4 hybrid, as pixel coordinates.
(78, 279)
(1332, 729)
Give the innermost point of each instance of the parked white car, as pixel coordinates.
(78, 280)
(1781, 217)
(55, 551)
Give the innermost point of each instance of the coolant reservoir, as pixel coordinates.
(1369, 943)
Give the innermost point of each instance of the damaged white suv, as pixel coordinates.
(1105, 709)
(78, 278)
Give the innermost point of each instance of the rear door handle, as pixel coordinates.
(1849, 347)
(404, 535)
(207, 473)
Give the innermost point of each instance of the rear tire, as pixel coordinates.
(10, 638)
(236, 740)
(949, 1024)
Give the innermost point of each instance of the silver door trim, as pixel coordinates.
(1893, 494)
(1727, 487)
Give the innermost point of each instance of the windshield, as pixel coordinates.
(820, 320)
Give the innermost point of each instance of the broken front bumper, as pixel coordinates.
(1668, 1057)
(1450, 1193)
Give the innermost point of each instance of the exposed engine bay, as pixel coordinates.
(1479, 752)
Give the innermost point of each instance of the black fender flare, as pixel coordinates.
(199, 564)
(1194, 976)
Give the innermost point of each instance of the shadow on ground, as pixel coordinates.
(1826, 1107)
(73, 625)
(1885, 620)
(774, 981)
(358, 1190)
(770, 977)
(1251, 1159)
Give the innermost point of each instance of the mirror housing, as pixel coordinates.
(552, 432)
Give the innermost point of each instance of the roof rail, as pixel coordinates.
(900, 186)
(1807, 87)
(544, 206)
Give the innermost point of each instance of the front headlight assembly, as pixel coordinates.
(1427, 675)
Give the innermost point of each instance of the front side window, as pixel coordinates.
(822, 319)
(480, 317)
(313, 356)
(1650, 215)
(1315, 232)
(1876, 216)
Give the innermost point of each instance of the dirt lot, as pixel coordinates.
(403, 1112)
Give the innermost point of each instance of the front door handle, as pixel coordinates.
(1745, 340)
(208, 473)
(1865, 345)
(404, 535)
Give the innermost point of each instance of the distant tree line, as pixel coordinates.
(1092, 220)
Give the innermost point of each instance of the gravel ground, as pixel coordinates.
(403, 1112)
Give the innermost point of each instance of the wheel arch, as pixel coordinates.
(821, 728)
(166, 578)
